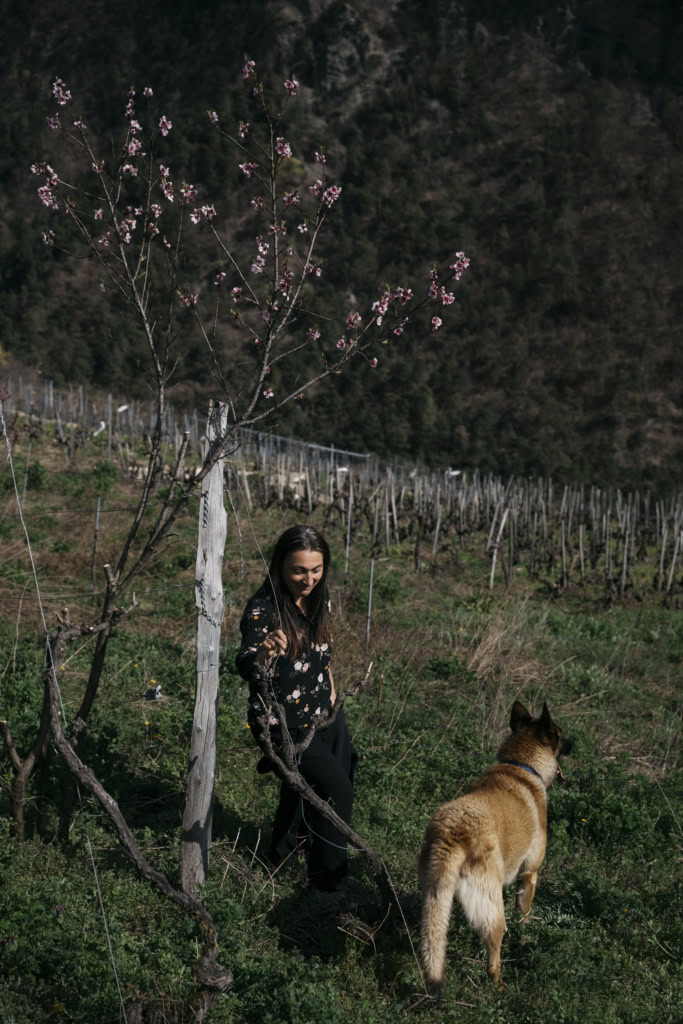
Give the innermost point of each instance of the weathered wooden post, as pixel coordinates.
(197, 816)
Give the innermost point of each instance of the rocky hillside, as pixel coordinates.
(545, 139)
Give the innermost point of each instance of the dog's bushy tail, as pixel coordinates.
(439, 868)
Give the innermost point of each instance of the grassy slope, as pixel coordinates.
(450, 658)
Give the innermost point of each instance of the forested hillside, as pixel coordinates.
(545, 142)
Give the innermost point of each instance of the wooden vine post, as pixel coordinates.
(197, 816)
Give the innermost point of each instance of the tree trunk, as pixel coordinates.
(197, 817)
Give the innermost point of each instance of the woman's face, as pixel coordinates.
(302, 571)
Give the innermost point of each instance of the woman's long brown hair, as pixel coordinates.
(301, 538)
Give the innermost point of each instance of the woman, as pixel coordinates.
(288, 619)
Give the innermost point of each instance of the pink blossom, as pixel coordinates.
(156, 209)
(352, 321)
(312, 334)
(283, 148)
(291, 199)
(277, 229)
(133, 147)
(262, 245)
(380, 307)
(195, 216)
(447, 298)
(317, 188)
(152, 228)
(104, 240)
(247, 168)
(298, 398)
(166, 243)
(285, 282)
(433, 290)
(312, 268)
(268, 393)
(147, 92)
(266, 369)
(243, 129)
(398, 330)
(80, 124)
(98, 167)
(433, 273)
(98, 214)
(38, 168)
(461, 263)
(61, 93)
(188, 300)
(48, 237)
(303, 228)
(257, 202)
(331, 194)
(292, 85)
(320, 158)
(165, 125)
(135, 126)
(236, 294)
(53, 122)
(373, 362)
(47, 197)
(139, 211)
(125, 229)
(129, 169)
(213, 117)
(249, 69)
(258, 265)
(436, 322)
(130, 105)
(341, 343)
(164, 171)
(220, 277)
(208, 212)
(403, 295)
(188, 192)
(167, 188)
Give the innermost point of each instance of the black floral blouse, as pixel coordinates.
(303, 686)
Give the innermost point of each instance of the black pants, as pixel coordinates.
(328, 765)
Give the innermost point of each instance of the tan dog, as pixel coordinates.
(491, 837)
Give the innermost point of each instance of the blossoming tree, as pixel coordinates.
(124, 211)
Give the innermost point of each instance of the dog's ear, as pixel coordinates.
(519, 717)
(545, 722)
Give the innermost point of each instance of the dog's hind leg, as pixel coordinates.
(493, 943)
(481, 897)
(526, 887)
(527, 877)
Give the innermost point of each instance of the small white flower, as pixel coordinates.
(298, 666)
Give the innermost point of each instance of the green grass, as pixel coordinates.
(606, 940)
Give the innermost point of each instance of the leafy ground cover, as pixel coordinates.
(607, 936)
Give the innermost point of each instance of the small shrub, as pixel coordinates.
(36, 477)
(104, 475)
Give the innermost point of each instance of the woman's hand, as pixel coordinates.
(275, 643)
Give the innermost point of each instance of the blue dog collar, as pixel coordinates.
(526, 767)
